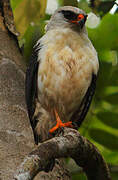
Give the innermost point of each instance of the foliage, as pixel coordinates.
(101, 124)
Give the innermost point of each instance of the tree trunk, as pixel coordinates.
(16, 138)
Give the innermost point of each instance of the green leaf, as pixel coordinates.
(103, 77)
(105, 138)
(15, 3)
(108, 56)
(109, 118)
(70, 3)
(27, 12)
(114, 175)
(114, 78)
(105, 36)
(80, 176)
(110, 156)
(112, 98)
(30, 37)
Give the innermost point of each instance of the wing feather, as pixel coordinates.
(79, 115)
(31, 87)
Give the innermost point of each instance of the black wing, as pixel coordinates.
(31, 87)
(79, 115)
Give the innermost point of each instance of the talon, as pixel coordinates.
(60, 124)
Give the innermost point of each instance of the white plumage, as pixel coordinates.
(67, 62)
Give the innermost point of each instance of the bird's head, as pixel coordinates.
(68, 16)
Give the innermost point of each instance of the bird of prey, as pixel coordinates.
(61, 76)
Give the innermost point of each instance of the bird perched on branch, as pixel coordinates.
(61, 77)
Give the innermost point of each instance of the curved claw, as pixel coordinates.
(60, 123)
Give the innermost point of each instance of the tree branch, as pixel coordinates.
(71, 144)
(7, 15)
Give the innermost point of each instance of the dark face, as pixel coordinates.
(78, 19)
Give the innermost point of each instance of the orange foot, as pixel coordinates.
(60, 124)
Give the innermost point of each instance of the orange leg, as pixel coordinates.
(60, 124)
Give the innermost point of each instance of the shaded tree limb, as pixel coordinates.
(7, 14)
(70, 144)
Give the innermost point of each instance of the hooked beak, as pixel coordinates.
(81, 20)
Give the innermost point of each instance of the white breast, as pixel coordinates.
(67, 61)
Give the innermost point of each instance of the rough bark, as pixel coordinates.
(70, 144)
(16, 139)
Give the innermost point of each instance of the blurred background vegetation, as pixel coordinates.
(101, 124)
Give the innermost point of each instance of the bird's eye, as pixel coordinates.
(69, 15)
